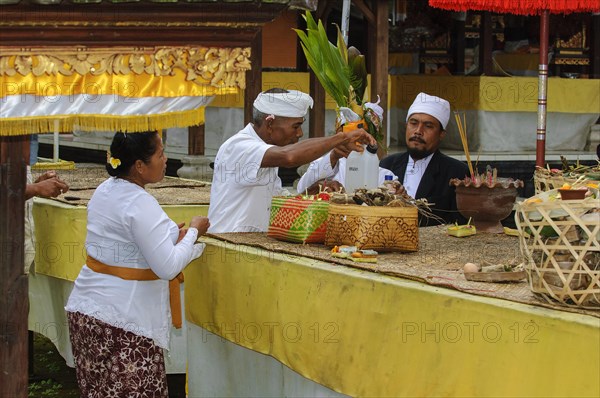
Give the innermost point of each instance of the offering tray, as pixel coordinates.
(508, 276)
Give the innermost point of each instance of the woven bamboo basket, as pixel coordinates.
(381, 228)
(560, 242)
(543, 181)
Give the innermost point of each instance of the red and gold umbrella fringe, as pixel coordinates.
(522, 7)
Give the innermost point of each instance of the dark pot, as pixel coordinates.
(486, 206)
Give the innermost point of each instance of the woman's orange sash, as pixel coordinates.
(135, 274)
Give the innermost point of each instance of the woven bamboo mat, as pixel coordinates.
(438, 262)
(84, 179)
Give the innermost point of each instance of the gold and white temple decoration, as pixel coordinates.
(129, 89)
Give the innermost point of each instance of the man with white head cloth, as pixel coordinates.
(424, 171)
(245, 175)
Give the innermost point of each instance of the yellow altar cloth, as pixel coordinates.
(499, 94)
(518, 62)
(501, 112)
(487, 93)
(60, 231)
(367, 334)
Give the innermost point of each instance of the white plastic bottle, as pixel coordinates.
(362, 169)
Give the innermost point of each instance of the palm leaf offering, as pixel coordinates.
(341, 70)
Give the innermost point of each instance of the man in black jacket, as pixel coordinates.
(424, 171)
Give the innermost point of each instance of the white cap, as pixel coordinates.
(437, 107)
(291, 104)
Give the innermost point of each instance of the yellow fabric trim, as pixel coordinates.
(365, 334)
(288, 80)
(60, 231)
(499, 94)
(131, 85)
(136, 123)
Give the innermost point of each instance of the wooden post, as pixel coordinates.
(14, 301)
(380, 57)
(316, 116)
(458, 41)
(253, 77)
(595, 47)
(485, 44)
(196, 140)
(301, 64)
(316, 121)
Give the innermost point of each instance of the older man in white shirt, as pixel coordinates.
(245, 176)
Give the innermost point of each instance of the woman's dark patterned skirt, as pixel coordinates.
(112, 362)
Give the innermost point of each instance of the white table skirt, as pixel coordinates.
(222, 368)
(47, 316)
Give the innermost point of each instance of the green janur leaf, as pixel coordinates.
(330, 63)
(341, 70)
(341, 45)
(358, 72)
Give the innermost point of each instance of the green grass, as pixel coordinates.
(51, 376)
(45, 388)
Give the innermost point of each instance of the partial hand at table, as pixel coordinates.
(324, 185)
(46, 186)
(201, 224)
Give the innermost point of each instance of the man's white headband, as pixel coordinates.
(291, 104)
(437, 107)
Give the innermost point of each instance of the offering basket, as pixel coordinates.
(381, 228)
(560, 243)
(298, 220)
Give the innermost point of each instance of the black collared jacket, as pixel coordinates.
(434, 185)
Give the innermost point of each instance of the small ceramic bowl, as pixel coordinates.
(572, 194)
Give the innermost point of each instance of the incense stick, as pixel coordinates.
(463, 139)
